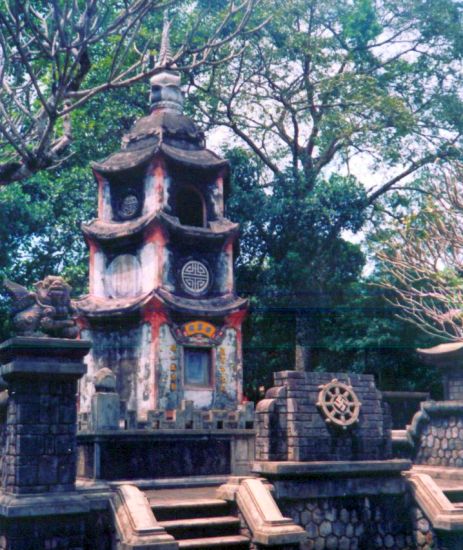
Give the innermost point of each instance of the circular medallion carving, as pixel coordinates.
(339, 404)
(128, 206)
(195, 277)
(124, 277)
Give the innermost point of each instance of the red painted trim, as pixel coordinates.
(93, 249)
(220, 187)
(157, 234)
(235, 320)
(101, 181)
(159, 174)
(156, 315)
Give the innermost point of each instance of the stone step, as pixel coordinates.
(202, 527)
(236, 542)
(177, 509)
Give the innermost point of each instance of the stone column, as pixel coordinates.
(40, 447)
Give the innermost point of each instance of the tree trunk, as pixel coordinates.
(305, 343)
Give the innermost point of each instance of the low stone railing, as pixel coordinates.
(135, 524)
(261, 515)
(185, 418)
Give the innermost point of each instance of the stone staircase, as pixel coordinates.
(198, 520)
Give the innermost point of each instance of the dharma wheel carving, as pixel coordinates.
(339, 404)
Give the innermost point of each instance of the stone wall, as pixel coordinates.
(437, 432)
(290, 426)
(40, 450)
(40, 533)
(362, 523)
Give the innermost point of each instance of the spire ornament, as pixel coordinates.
(165, 83)
(165, 51)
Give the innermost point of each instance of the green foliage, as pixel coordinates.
(295, 263)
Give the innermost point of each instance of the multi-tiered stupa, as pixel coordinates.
(162, 312)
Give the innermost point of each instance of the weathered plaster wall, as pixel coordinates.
(126, 351)
(224, 393)
(149, 266)
(228, 372)
(97, 271)
(168, 371)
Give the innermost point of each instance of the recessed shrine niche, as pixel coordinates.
(192, 197)
(127, 197)
(191, 207)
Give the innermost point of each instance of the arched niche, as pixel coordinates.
(190, 207)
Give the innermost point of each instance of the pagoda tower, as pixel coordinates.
(162, 312)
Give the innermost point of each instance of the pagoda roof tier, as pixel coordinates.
(207, 307)
(110, 231)
(169, 133)
(443, 355)
(95, 307)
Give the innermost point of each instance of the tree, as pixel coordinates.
(327, 82)
(331, 88)
(49, 51)
(421, 256)
(294, 263)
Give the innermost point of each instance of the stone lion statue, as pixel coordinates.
(46, 312)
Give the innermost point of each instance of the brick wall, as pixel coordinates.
(290, 426)
(40, 450)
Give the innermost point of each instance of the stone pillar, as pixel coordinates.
(40, 447)
(40, 506)
(105, 402)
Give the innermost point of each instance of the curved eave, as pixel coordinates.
(111, 231)
(443, 354)
(94, 307)
(207, 307)
(217, 229)
(131, 159)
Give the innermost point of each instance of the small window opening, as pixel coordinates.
(190, 207)
(197, 366)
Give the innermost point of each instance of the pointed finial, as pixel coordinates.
(165, 51)
(165, 82)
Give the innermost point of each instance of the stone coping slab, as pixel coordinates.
(44, 343)
(89, 496)
(146, 433)
(174, 482)
(331, 468)
(31, 356)
(439, 472)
